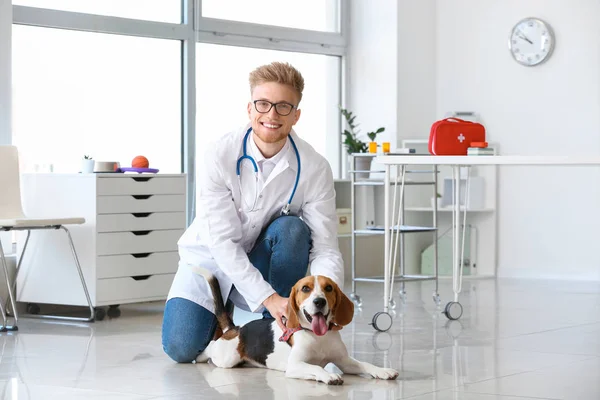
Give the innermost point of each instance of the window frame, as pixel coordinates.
(197, 29)
(330, 43)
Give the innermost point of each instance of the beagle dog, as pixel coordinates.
(317, 310)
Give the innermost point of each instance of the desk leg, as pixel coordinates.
(456, 233)
(454, 309)
(386, 251)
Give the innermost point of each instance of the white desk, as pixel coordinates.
(453, 309)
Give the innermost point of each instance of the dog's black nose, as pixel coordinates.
(319, 302)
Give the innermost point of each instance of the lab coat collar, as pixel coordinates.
(286, 152)
(258, 156)
(286, 158)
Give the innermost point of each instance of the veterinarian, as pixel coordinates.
(266, 211)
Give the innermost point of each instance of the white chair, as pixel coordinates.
(12, 218)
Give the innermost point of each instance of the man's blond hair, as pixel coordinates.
(278, 72)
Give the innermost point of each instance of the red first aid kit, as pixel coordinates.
(453, 136)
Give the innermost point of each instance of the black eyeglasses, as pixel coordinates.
(264, 106)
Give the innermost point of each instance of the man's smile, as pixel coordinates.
(270, 125)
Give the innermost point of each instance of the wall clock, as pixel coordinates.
(531, 41)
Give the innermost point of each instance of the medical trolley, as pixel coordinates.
(382, 321)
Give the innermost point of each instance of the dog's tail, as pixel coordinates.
(224, 319)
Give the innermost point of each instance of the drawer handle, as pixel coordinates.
(146, 179)
(141, 277)
(141, 215)
(140, 233)
(141, 255)
(141, 196)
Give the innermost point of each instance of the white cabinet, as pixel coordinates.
(127, 247)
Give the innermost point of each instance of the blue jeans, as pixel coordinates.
(280, 254)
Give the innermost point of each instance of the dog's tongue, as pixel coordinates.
(319, 325)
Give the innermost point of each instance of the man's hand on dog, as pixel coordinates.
(277, 306)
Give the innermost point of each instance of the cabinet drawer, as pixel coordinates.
(140, 203)
(140, 221)
(140, 185)
(136, 264)
(128, 289)
(137, 242)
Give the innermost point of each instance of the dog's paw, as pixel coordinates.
(385, 373)
(332, 379)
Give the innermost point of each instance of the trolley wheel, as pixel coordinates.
(33, 308)
(436, 299)
(356, 299)
(453, 310)
(99, 314)
(382, 321)
(114, 311)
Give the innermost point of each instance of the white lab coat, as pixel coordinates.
(224, 231)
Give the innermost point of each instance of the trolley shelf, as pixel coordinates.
(372, 182)
(397, 278)
(379, 230)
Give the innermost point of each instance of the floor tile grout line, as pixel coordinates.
(481, 393)
(516, 396)
(535, 370)
(549, 330)
(100, 391)
(589, 356)
(508, 376)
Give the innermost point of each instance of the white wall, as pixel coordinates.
(548, 216)
(419, 60)
(390, 40)
(372, 61)
(5, 70)
(417, 35)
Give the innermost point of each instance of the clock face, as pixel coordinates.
(531, 42)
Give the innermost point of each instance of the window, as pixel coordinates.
(222, 97)
(152, 10)
(112, 97)
(317, 15)
(115, 78)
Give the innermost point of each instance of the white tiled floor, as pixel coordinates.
(516, 340)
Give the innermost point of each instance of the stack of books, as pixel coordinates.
(480, 151)
(402, 150)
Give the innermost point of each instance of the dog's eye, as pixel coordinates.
(305, 289)
(328, 288)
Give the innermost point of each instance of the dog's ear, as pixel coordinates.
(292, 311)
(344, 311)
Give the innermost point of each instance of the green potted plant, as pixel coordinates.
(355, 145)
(87, 165)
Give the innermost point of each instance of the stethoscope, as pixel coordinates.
(286, 208)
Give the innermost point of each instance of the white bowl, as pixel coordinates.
(106, 166)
